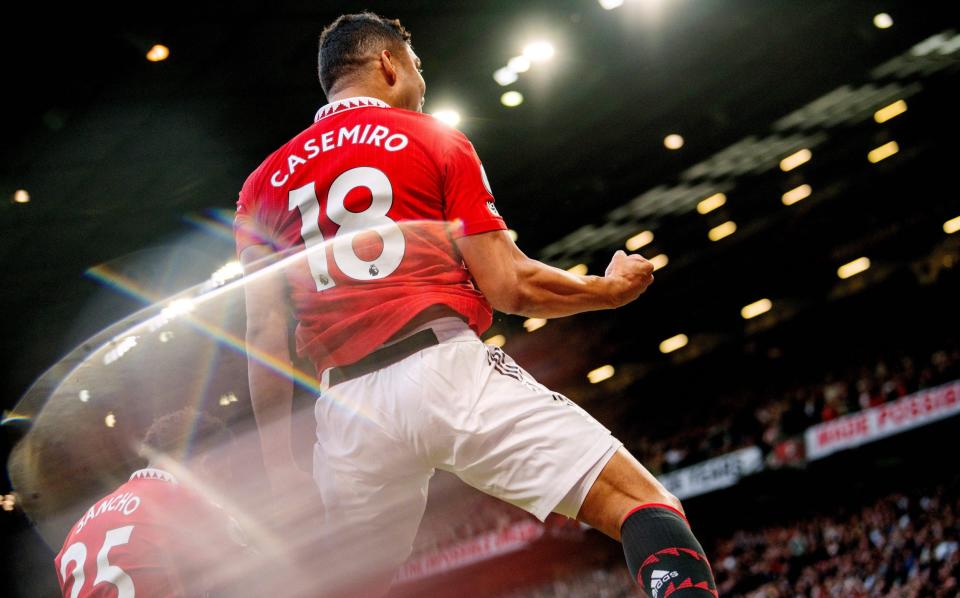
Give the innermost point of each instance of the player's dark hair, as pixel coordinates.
(186, 431)
(351, 40)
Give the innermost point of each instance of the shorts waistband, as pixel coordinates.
(431, 333)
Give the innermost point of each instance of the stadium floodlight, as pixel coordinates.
(722, 231)
(505, 76)
(21, 196)
(890, 111)
(796, 194)
(539, 51)
(511, 99)
(611, 4)
(674, 343)
(711, 203)
(519, 64)
(673, 141)
(177, 307)
(448, 117)
(228, 399)
(639, 240)
(659, 261)
(110, 420)
(795, 159)
(228, 271)
(158, 53)
(531, 324)
(513, 235)
(883, 152)
(951, 226)
(84, 395)
(861, 264)
(883, 21)
(579, 269)
(756, 308)
(604, 372)
(496, 341)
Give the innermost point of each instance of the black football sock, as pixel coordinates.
(663, 555)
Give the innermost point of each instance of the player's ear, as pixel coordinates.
(389, 67)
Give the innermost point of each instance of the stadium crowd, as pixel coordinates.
(900, 546)
(756, 420)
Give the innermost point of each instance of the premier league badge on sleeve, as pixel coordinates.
(492, 208)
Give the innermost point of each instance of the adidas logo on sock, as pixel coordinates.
(659, 577)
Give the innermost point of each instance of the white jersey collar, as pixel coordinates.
(348, 104)
(150, 473)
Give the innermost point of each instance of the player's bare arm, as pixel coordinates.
(517, 284)
(270, 392)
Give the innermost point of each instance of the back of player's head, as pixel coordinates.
(351, 40)
(186, 432)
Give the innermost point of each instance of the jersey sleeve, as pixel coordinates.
(467, 198)
(248, 230)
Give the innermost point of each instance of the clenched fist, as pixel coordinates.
(629, 277)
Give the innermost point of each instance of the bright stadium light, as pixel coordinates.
(673, 141)
(579, 269)
(674, 343)
(21, 196)
(611, 4)
(84, 395)
(227, 272)
(883, 152)
(448, 117)
(639, 240)
(505, 76)
(496, 341)
(513, 235)
(722, 231)
(951, 226)
(532, 324)
(110, 420)
(853, 268)
(604, 372)
(539, 51)
(158, 53)
(890, 111)
(797, 194)
(519, 64)
(883, 21)
(795, 159)
(177, 307)
(659, 261)
(711, 203)
(756, 308)
(511, 99)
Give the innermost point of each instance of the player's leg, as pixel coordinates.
(628, 504)
(529, 446)
(372, 484)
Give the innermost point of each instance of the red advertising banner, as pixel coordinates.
(912, 411)
(474, 550)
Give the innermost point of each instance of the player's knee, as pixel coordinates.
(672, 501)
(660, 495)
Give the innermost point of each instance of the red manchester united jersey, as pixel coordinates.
(150, 537)
(374, 196)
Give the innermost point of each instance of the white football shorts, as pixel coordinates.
(461, 406)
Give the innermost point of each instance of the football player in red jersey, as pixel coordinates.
(400, 253)
(153, 536)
